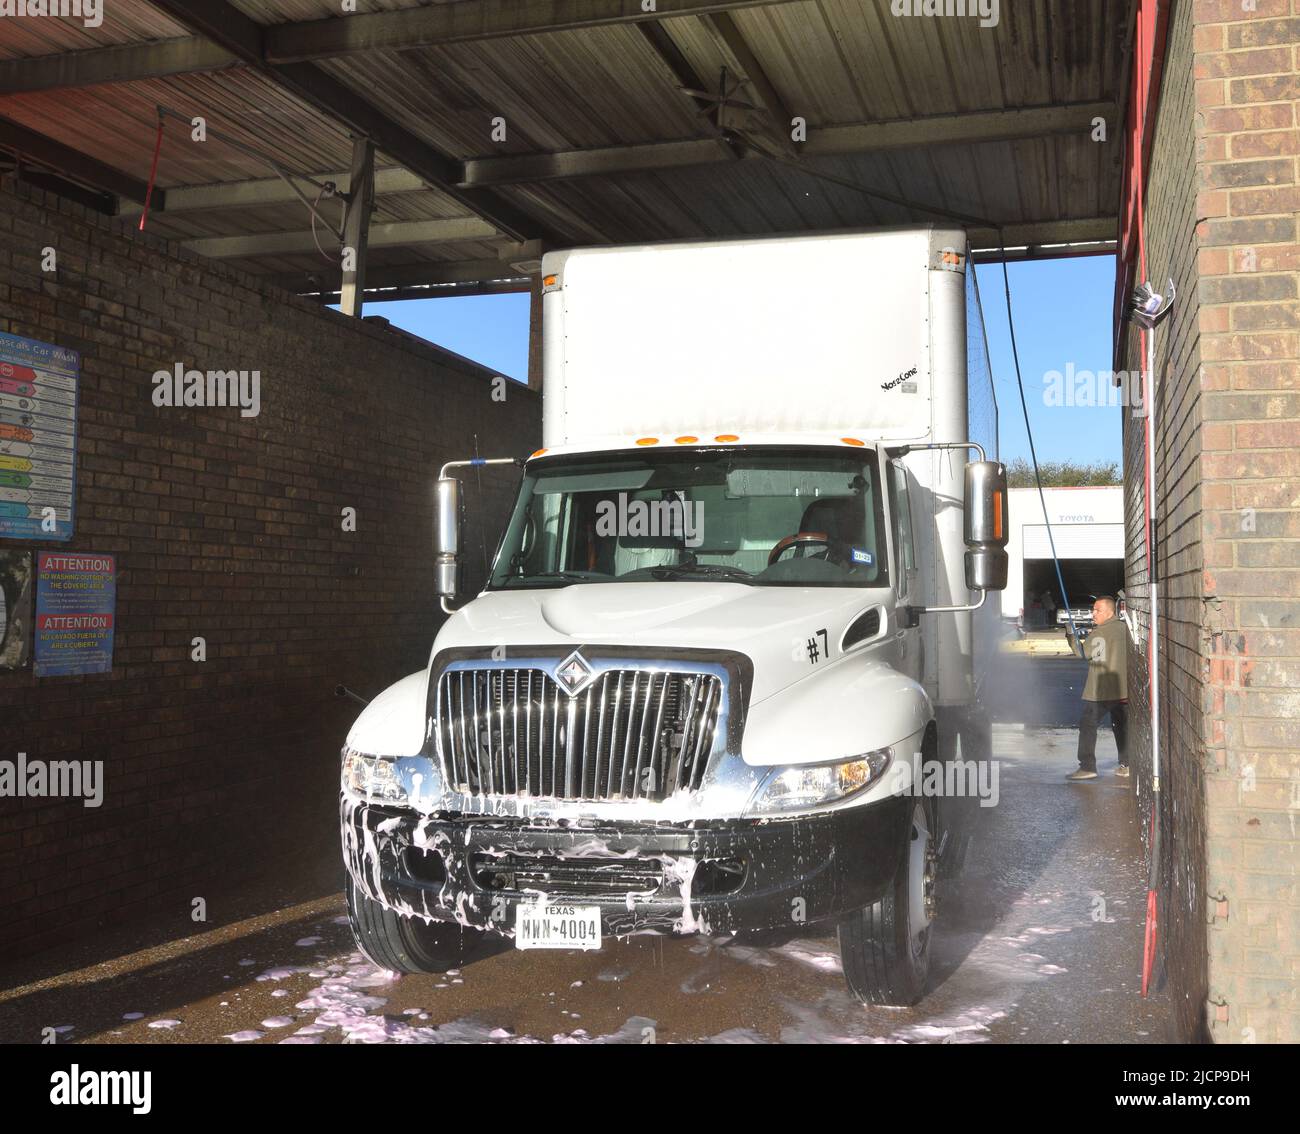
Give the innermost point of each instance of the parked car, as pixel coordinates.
(1082, 616)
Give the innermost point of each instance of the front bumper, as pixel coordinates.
(721, 876)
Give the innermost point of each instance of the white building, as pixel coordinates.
(1088, 528)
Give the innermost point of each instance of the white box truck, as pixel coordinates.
(730, 623)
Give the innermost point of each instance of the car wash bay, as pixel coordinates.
(1087, 535)
(294, 544)
(1040, 942)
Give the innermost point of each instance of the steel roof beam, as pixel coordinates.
(356, 226)
(1044, 238)
(426, 273)
(122, 63)
(380, 293)
(1069, 250)
(769, 98)
(956, 129)
(395, 235)
(438, 24)
(305, 40)
(966, 129)
(1070, 237)
(567, 164)
(960, 129)
(257, 192)
(688, 80)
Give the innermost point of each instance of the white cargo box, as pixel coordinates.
(802, 334)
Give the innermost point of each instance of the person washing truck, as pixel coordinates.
(734, 626)
(1105, 692)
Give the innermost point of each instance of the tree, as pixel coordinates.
(1063, 474)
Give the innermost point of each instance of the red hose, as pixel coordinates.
(153, 173)
(1149, 938)
(1149, 943)
(1141, 112)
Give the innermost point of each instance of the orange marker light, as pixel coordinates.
(852, 441)
(537, 454)
(726, 437)
(687, 440)
(550, 281)
(997, 515)
(647, 440)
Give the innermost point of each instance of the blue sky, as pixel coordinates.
(1063, 318)
(490, 329)
(1063, 311)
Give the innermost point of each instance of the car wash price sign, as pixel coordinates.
(76, 598)
(38, 431)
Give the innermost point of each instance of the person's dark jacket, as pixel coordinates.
(1106, 649)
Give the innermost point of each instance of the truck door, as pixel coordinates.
(911, 657)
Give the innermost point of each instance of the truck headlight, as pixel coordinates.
(373, 778)
(797, 787)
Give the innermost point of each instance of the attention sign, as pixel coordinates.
(76, 598)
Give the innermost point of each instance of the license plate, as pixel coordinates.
(556, 926)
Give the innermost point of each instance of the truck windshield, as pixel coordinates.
(808, 518)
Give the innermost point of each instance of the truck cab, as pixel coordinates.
(708, 674)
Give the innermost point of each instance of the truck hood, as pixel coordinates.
(773, 626)
(852, 703)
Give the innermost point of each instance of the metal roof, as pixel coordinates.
(618, 127)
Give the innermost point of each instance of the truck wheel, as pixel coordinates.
(403, 944)
(885, 949)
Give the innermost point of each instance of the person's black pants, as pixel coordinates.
(1093, 714)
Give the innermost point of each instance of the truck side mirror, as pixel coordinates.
(986, 569)
(446, 537)
(986, 526)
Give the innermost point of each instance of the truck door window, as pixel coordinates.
(901, 519)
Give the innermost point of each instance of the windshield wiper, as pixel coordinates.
(706, 570)
(571, 576)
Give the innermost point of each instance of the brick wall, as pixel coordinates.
(1247, 66)
(1221, 220)
(229, 528)
(1170, 203)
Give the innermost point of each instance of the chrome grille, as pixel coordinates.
(630, 734)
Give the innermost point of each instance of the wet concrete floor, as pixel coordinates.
(1039, 940)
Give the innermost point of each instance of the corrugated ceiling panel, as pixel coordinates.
(116, 124)
(123, 21)
(563, 90)
(833, 61)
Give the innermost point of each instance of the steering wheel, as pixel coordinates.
(799, 539)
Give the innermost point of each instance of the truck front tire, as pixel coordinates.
(404, 944)
(885, 948)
